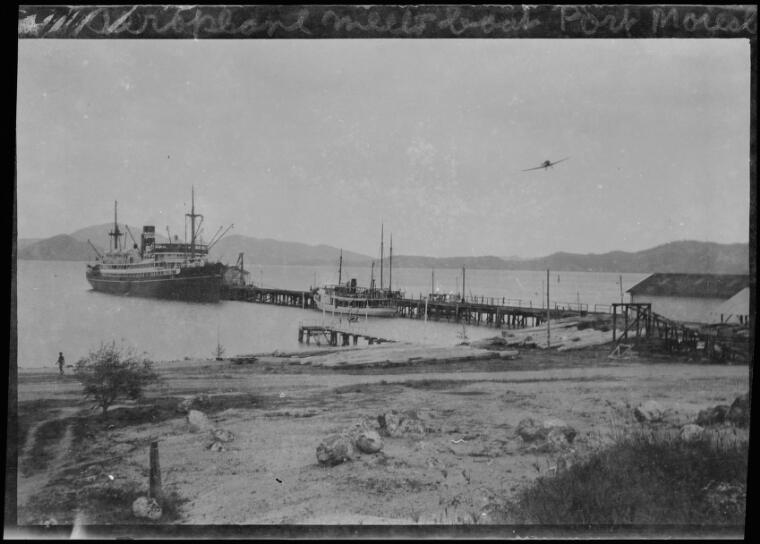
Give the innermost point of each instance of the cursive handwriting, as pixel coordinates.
(589, 23)
(434, 21)
(692, 22)
(415, 24)
(182, 20)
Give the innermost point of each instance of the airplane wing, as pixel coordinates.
(555, 162)
(536, 168)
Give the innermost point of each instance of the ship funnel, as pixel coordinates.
(148, 238)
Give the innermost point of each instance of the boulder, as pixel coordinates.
(691, 432)
(222, 435)
(395, 424)
(713, 416)
(648, 412)
(738, 414)
(216, 446)
(531, 430)
(369, 442)
(198, 421)
(390, 422)
(335, 449)
(558, 425)
(146, 508)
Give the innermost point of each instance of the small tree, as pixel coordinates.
(110, 373)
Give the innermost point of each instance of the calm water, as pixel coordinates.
(58, 311)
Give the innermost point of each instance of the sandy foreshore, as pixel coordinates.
(73, 465)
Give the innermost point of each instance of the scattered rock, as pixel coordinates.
(198, 421)
(738, 414)
(335, 449)
(196, 401)
(395, 424)
(222, 435)
(531, 430)
(649, 412)
(216, 446)
(691, 432)
(558, 425)
(369, 442)
(713, 416)
(146, 508)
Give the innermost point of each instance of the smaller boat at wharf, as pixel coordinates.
(172, 270)
(354, 301)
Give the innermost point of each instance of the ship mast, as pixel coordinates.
(115, 233)
(381, 256)
(390, 266)
(192, 215)
(340, 267)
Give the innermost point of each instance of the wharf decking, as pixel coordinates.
(483, 313)
(487, 312)
(262, 295)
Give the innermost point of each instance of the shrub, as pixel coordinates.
(110, 373)
(644, 479)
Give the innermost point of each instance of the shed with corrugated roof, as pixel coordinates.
(695, 298)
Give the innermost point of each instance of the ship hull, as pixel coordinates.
(359, 312)
(198, 287)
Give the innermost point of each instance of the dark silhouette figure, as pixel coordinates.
(61, 362)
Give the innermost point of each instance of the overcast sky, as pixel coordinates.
(319, 141)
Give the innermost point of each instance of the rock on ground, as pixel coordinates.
(648, 412)
(222, 435)
(713, 416)
(198, 421)
(738, 414)
(335, 449)
(216, 446)
(369, 442)
(146, 508)
(395, 424)
(531, 430)
(691, 432)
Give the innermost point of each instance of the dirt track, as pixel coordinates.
(472, 459)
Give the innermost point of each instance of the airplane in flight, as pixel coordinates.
(546, 164)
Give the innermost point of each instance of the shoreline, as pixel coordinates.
(278, 413)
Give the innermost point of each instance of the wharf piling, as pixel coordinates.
(335, 336)
(280, 297)
(482, 311)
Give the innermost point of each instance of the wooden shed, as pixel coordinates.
(695, 298)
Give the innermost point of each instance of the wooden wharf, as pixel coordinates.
(261, 295)
(472, 311)
(489, 313)
(336, 336)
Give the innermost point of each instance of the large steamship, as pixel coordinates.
(172, 270)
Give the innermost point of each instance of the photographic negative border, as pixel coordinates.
(420, 21)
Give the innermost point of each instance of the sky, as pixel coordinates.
(322, 141)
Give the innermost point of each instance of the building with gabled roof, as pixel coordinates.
(695, 298)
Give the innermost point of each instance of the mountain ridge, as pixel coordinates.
(676, 256)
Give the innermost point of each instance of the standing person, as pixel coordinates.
(61, 361)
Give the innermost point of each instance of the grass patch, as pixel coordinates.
(645, 478)
(46, 438)
(102, 504)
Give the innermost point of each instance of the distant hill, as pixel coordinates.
(682, 256)
(98, 234)
(268, 251)
(58, 248)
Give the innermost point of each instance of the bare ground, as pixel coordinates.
(471, 460)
